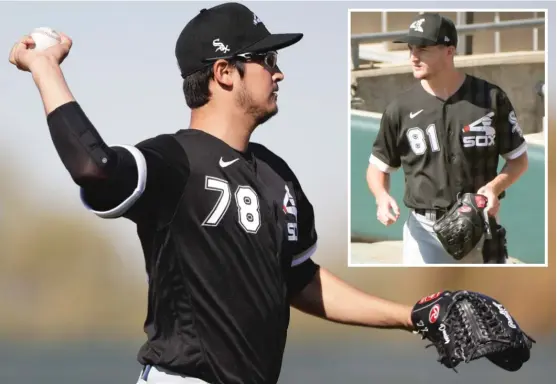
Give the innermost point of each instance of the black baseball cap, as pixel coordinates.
(430, 29)
(224, 31)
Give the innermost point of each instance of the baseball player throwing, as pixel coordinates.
(447, 133)
(227, 232)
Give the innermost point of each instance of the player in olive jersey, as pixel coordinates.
(226, 229)
(447, 133)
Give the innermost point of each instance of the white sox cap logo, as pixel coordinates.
(220, 46)
(417, 25)
(256, 19)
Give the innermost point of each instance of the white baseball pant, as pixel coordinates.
(153, 375)
(420, 245)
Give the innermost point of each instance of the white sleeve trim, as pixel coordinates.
(136, 194)
(516, 152)
(301, 257)
(383, 167)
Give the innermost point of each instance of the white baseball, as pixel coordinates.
(45, 37)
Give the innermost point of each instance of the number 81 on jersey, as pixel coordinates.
(417, 139)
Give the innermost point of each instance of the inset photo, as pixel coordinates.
(448, 138)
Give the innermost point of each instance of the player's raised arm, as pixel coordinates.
(44, 64)
(113, 179)
(82, 150)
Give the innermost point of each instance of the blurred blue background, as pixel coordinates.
(343, 361)
(72, 285)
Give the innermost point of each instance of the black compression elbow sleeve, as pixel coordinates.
(80, 147)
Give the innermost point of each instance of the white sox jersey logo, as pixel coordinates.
(513, 121)
(482, 125)
(289, 207)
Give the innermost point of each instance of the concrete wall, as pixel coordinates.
(517, 74)
(516, 39)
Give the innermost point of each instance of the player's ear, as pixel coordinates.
(222, 73)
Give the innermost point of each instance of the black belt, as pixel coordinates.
(437, 212)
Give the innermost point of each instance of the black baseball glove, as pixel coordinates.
(462, 227)
(465, 326)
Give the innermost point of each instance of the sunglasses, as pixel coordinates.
(269, 58)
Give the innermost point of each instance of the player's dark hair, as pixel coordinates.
(196, 85)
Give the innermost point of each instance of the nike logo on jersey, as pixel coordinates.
(225, 164)
(414, 114)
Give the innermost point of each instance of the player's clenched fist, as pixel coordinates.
(387, 210)
(493, 203)
(24, 55)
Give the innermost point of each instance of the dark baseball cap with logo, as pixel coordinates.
(429, 29)
(224, 31)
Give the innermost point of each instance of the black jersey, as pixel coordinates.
(227, 239)
(446, 147)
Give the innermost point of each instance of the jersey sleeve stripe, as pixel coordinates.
(382, 166)
(123, 207)
(516, 152)
(301, 257)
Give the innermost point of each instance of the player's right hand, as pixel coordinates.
(25, 58)
(387, 210)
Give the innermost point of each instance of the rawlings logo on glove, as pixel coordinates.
(465, 326)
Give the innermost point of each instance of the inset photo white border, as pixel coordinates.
(381, 249)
